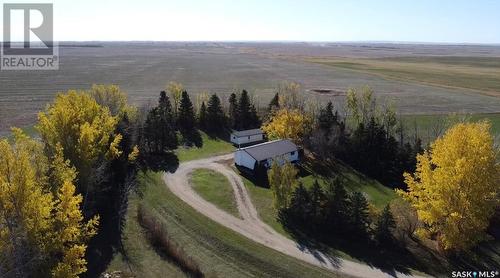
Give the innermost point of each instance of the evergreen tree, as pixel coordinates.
(254, 121)
(275, 103)
(202, 117)
(233, 111)
(167, 123)
(300, 206)
(215, 115)
(337, 208)
(385, 223)
(327, 119)
(186, 120)
(358, 214)
(244, 111)
(317, 202)
(159, 132)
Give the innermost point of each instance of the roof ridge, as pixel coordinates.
(265, 143)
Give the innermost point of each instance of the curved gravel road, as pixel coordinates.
(250, 225)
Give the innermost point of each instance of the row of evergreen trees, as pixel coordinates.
(241, 115)
(369, 148)
(162, 122)
(335, 211)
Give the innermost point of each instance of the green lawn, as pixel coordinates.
(217, 249)
(210, 147)
(215, 188)
(262, 199)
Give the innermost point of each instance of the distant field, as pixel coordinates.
(427, 124)
(143, 70)
(477, 73)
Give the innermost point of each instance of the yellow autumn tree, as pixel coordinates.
(83, 128)
(283, 181)
(175, 90)
(42, 231)
(112, 97)
(455, 187)
(288, 124)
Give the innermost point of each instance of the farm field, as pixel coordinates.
(477, 73)
(143, 69)
(430, 125)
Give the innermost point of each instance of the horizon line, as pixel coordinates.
(277, 41)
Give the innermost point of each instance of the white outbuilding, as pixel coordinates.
(264, 154)
(245, 137)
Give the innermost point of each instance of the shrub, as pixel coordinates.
(159, 238)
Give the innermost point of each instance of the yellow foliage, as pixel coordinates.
(132, 156)
(114, 148)
(82, 127)
(287, 124)
(40, 214)
(112, 97)
(455, 187)
(283, 181)
(175, 90)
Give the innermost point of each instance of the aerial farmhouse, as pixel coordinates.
(263, 154)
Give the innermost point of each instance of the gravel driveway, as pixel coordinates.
(250, 225)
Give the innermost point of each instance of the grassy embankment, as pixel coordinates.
(477, 73)
(218, 250)
(215, 188)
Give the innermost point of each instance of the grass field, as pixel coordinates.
(211, 147)
(215, 188)
(477, 73)
(426, 123)
(219, 251)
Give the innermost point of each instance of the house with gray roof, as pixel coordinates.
(264, 154)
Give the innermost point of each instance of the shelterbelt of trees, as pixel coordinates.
(449, 191)
(64, 195)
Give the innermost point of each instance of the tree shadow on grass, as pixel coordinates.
(192, 138)
(391, 259)
(218, 135)
(165, 162)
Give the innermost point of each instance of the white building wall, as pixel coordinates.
(246, 139)
(290, 157)
(242, 158)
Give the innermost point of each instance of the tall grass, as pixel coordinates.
(158, 236)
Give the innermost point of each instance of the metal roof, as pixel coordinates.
(248, 132)
(270, 149)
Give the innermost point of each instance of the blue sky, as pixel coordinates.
(446, 21)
